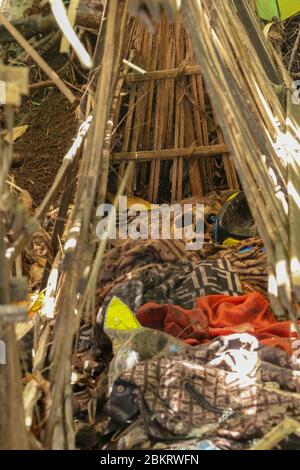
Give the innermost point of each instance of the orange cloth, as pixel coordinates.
(189, 325)
(219, 315)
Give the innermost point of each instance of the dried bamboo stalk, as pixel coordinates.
(182, 61)
(59, 430)
(139, 115)
(107, 145)
(13, 434)
(163, 74)
(247, 128)
(159, 114)
(146, 127)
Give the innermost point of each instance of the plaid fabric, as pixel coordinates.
(208, 278)
(178, 284)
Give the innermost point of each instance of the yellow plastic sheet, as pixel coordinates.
(120, 317)
(283, 9)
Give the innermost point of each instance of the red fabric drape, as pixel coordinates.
(219, 315)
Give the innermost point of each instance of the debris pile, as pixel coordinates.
(137, 328)
(191, 336)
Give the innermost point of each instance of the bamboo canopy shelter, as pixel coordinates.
(162, 131)
(182, 99)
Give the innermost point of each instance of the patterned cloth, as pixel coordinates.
(232, 388)
(208, 278)
(179, 284)
(134, 254)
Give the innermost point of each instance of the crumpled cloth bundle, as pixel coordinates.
(219, 315)
(231, 388)
(248, 259)
(179, 283)
(207, 278)
(156, 280)
(136, 438)
(133, 254)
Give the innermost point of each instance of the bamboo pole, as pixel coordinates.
(249, 126)
(159, 115)
(78, 254)
(179, 129)
(169, 154)
(13, 434)
(164, 74)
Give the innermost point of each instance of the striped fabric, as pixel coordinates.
(208, 278)
(178, 284)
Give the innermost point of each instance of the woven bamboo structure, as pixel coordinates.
(166, 121)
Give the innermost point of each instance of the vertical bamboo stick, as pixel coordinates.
(193, 130)
(147, 57)
(180, 57)
(128, 129)
(159, 118)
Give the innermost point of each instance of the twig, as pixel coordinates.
(77, 255)
(92, 283)
(164, 74)
(134, 67)
(47, 42)
(44, 84)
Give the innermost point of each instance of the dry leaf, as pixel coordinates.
(35, 274)
(26, 200)
(22, 329)
(16, 133)
(273, 31)
(41, 261)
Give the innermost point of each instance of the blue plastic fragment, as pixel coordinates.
(207, 445)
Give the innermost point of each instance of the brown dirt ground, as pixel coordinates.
(52, 126)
